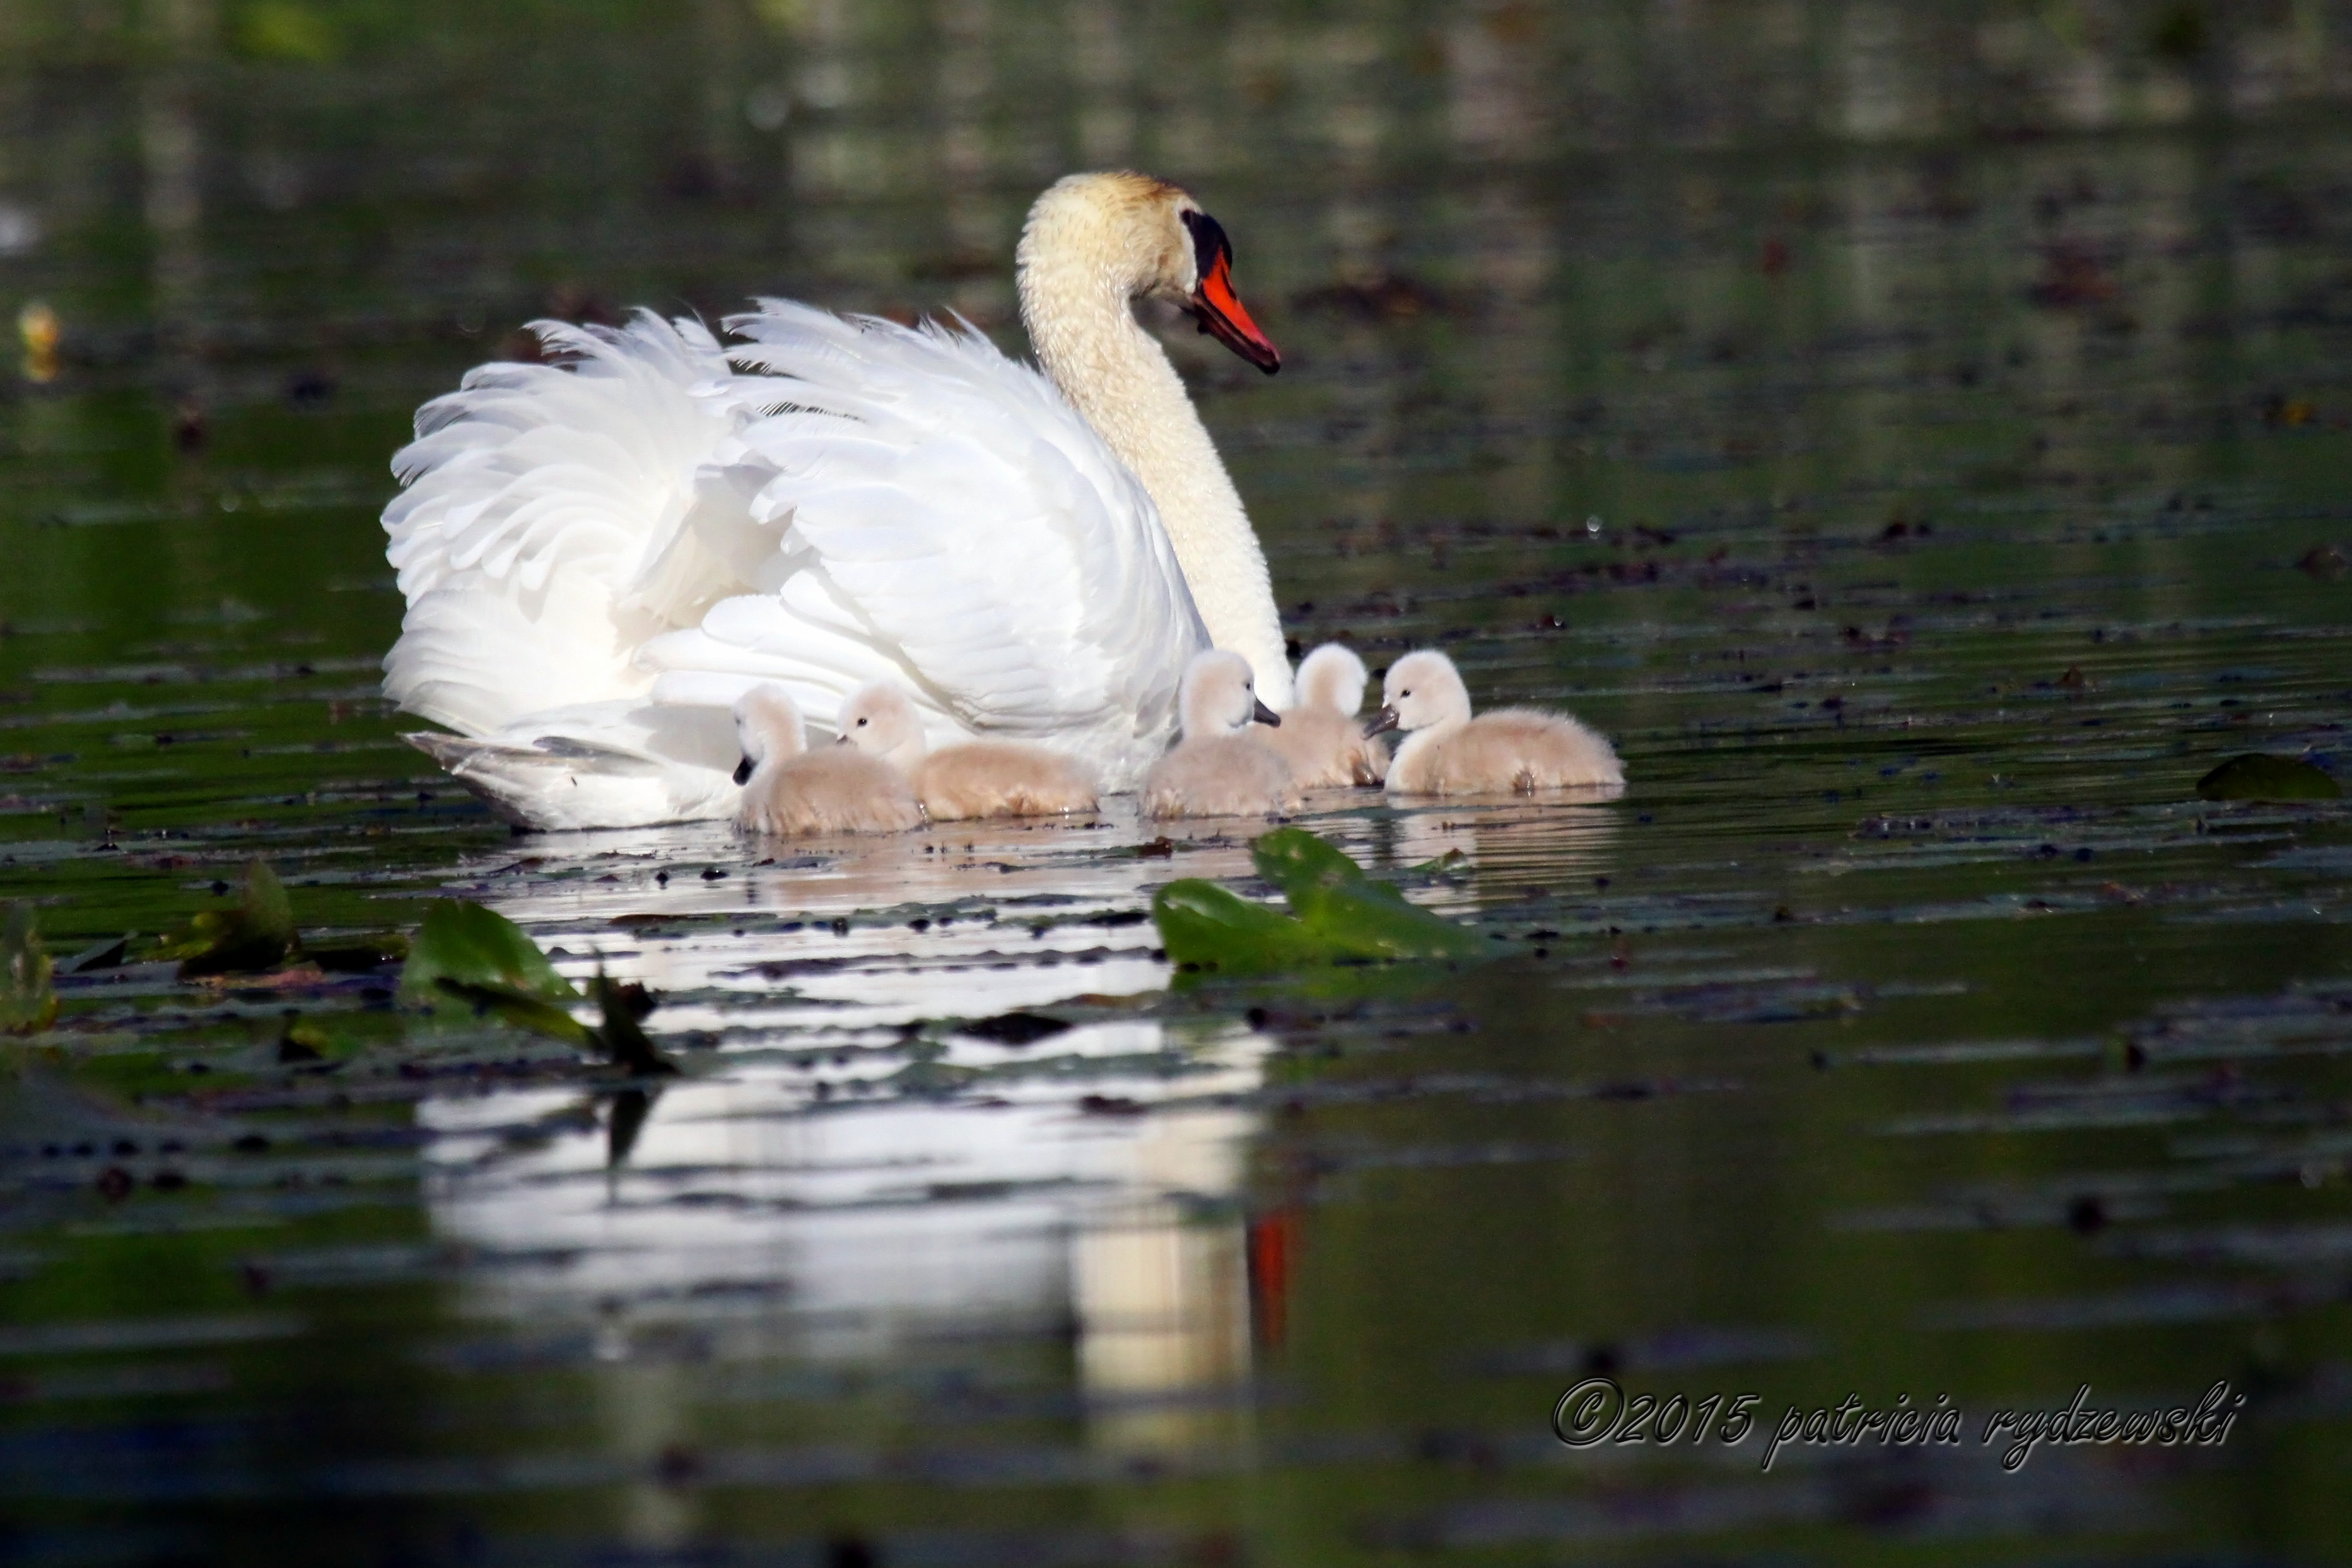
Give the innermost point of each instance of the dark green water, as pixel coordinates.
(1918, 436)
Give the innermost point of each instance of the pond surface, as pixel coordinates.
(1921, 443)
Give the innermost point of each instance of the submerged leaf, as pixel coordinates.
(478, 950)
(28, 1002)
(631, 1107)
(357, 954)
(619, 1037)
(258, 934)
(2260, 775)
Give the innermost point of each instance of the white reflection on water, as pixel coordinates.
(799, 1192)
(846, 1171)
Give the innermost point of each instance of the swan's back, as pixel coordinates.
(1509, 751)
(913, 506)
(1001, 778)
(833, 789)
(1219, 775)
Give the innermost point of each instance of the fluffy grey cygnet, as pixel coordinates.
(1320, 737)
(792, 792)
(972, 778)
(1510, 751)
(1218, 769)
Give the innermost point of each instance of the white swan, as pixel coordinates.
(600, 556)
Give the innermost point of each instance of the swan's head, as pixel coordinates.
(768, 728)
(1332, 676)
(880, 721)
(1422, 690)
(1146, 238)
(1218, 696)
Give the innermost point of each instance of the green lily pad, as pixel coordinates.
(28, 1002)
(466, 959)
(477, 950)
(1204, 926)
(508, 1005)
(1301, 864)
(2260, 775)
(258, 934)
(1342, 915)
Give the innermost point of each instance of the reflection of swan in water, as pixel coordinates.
(766, 1222)
(757, 1220)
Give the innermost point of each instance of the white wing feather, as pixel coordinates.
(643, 532)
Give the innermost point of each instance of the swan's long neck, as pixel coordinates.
(1121, 383)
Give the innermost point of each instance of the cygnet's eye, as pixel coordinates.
(1406, 692)
(861, 724)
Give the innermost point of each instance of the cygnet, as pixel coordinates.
(791, 791)
(1218, 769)
(971, 778)
(1319, 737)
(1511, 750)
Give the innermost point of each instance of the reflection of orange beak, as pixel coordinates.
(1219, 311)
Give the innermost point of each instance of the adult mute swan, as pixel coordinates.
(601, 555)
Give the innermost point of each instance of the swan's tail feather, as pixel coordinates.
(600, 765)
(539, 539)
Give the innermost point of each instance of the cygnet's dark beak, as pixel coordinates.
(1265, 715)
(743, 771)
(1382, 722)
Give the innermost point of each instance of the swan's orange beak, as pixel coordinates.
(1220, 315)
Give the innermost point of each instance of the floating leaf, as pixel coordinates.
(256, 935)
(520, 1008)
(1342, 915)
(1375, 921)
(28, 1002)
(2260, 775)
(1301, 864)
(475, 950)
(1206, 926)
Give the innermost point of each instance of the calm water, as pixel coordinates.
(1920, 436)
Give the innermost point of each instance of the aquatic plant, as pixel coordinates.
(1339, 915)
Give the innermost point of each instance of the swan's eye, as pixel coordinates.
(861, 724)
(1406, 693)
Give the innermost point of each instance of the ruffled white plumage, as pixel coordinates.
(601, 557)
